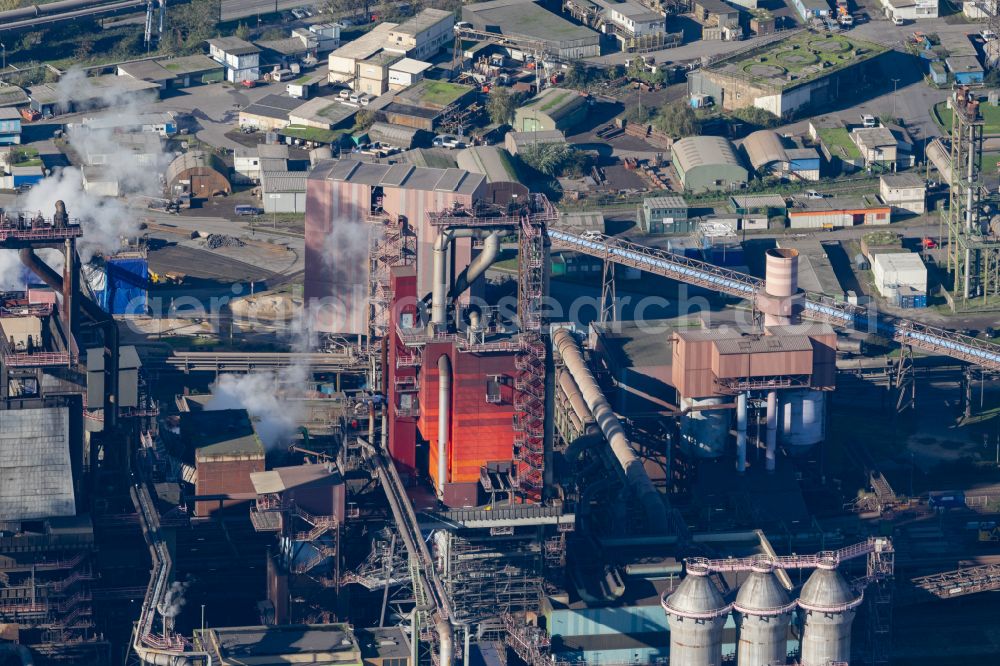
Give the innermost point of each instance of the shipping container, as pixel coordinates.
(946, 500)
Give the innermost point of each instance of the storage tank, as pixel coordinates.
(803, 419)
(828, 604)
(765, 611)
(696, 613)
(704, 432)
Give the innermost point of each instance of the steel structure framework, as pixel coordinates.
(960, 582)
(817, 306)
(973, 249)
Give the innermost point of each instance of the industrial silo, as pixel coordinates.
(765, 611)
(696, 613)
(803, 419)
(704, 432)
(828, 604)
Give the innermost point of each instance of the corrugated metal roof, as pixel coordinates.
(748, 344)
(491, 161)
(665, 202)
(394, 135)
(233, 45)
(283, 181)
(764, 147)
(420, 178)
(698, 151)
(36, 476)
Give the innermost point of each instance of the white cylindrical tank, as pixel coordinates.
(803, 419)
(828, 604)
(764, 613)
(696, 613)
(704, 432)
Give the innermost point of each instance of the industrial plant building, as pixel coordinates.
(804, 70)
(552, 109)
(773, 155)
(527, 20)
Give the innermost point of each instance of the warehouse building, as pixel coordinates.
(839, 212)
(708, 163)
(491, 161)
(424, 35)
(399, 136)
(515, 142)
(192, 70)
(771, 154)
(552, 109)
(911, 10)
(812, 9)
(283, 191)
(897, 271)
(250, 162)
(904, 191)
(528, 20)
(198, 174)
(269, 113)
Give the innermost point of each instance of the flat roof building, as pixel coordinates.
(906, 191)
(526, 19)
(424, 35)
(316, 644)
(708, 163)
(343, 61)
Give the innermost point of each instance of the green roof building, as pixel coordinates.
(551, 109)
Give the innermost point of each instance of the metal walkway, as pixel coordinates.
(817, 306)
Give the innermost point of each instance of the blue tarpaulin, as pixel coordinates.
(127, 286)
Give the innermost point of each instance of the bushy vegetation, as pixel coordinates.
(555, 159)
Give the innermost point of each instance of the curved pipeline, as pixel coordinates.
(478, 266)
(51, 278)
(446, 636)
(444, 419)
(18, 651)
(635, 473)
(575, 397)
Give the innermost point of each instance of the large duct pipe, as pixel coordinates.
(52, 279)
(575, 398)
(741, 433)
(478, 266)
(444, 420)
(772, 428)
(635, 473)
(439, 291)
(446, 637)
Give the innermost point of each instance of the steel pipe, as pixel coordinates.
(635, 473)
(444, 420)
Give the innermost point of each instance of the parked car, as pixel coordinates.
(897, 20)
(813, 194)
(592, 235)
(243, 210)
(988, 35)
(448, 141)
(344, 94)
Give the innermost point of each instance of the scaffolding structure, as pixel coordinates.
(973, 243)
(492, 570)
(393, 243)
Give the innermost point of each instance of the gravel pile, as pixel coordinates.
(215, 241)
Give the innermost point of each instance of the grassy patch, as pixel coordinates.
(442, 93)
(312, 133)
(991, 117)
(838, 141)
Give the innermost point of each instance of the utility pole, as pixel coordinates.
(895, 82)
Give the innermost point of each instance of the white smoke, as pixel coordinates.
(15, 276)
(266, 396)
(173, 601)
(346, 250)
(104, 220)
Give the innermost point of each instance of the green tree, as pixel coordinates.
(363, 119)
(242, 31)
(757, 117)
(554, 159)
(678, 120)
(84, 48)
(578, 75)
(500, 105)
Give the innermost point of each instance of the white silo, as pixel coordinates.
(828, 604)
(765, 611)
(696, 613)
(803, 419)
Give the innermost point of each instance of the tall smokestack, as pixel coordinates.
(781, 301)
